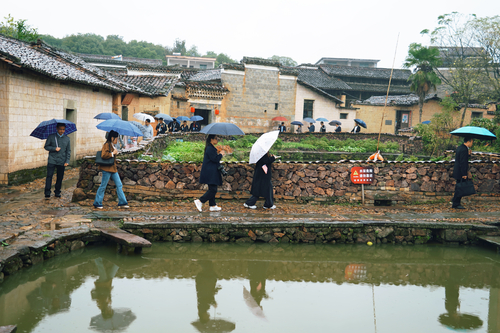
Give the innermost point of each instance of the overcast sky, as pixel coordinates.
(303, 30)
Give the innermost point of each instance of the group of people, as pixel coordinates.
(210, 174)
(59, 147)
(174, 126)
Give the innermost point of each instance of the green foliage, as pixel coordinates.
(245, 141)
(186, 151)
(18, 29)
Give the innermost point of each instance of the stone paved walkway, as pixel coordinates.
(23, 211)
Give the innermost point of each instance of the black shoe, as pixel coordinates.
(458, 207)
(47, 197)
(58, 196)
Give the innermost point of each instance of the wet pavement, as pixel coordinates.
(23, 208)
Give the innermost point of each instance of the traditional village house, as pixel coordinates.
(313, 101)
(348, 62)
(190, 62)
(402, 112)
(40, 83)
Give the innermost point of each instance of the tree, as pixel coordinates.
(423, 79)
(18, 29)
(179, 46)
(463, 60)
(284, 61)
(223, 58)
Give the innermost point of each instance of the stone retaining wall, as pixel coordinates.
(394, 182)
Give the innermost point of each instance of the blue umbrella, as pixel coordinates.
(427, 122)
(322, 119)
(196, 118)
(183, 118)
(360, 122)
(222, 129)
(474, 132)
(107, 115)
(309, 120)
(335, 122)
(295, 122)
(163, 116)
(120, 126)
(48, 127)
(168, 121)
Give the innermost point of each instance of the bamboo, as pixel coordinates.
(387, 95)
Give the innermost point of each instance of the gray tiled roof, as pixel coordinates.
(382, 88)
(233, 66)
(206, 75)
(319, 79)
(109, 59)
(206, 86)
(376, 73)
(320, 91)
(60, 65)
(260, 61)
(153, 84)
(402, 100)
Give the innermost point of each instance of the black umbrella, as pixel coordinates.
(460, 321)
(120, 319)
(334, 123)
(360, 122)
(222, 129)
(295, 122)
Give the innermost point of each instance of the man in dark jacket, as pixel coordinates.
(311, 128)
(461, 169)
(161, 127)
(59, 147)
(282, 127)
(194, 127)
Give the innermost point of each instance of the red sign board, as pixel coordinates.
(362, 175)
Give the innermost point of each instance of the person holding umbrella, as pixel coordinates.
(282, 127)
(461, 169)
(194, 127)
(311, 128)
(322, 129)
(261, 184)
(210, 174)
(161, 127)
(184, 127)
(356, 128)
(109, 151)
(59, 147)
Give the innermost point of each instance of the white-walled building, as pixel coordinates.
(190, 62)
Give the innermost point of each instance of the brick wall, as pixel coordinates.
(252, 96)
(28, 99)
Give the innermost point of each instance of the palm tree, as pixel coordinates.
(423, 79)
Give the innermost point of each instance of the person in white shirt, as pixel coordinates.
(149, 130)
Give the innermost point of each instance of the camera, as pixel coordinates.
(222, 171)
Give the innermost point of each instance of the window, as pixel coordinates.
(203, 66)
(491, 113)
(343, 115)
(178, 104)
(477, 115)
(388, 122)
(308, 108)
(276, 106)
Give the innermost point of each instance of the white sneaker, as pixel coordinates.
(251, 207)
(198, 204)
(273, 207)
(215, 208)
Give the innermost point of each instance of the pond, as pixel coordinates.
(189, 287)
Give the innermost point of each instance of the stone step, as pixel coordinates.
(112, 231)
(8, 329)
(493, 240)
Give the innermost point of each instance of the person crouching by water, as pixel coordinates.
(210, 174)
(110, 171)
(261, 184)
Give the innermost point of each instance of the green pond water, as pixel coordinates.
(188, 287)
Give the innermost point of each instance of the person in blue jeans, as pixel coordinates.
(109, 171)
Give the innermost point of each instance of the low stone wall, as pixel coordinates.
(394, 182)
(316, 233)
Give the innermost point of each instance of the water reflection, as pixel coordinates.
(109, 320)
(206, 288)
(250, 288)
(454, 319)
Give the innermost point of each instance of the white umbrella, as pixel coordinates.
(142, 117)
(262, 145)
(252, 304)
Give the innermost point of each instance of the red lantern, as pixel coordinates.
(216, 111)
(192, 109)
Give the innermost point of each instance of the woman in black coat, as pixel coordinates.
(210, 174)
(261, 184)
